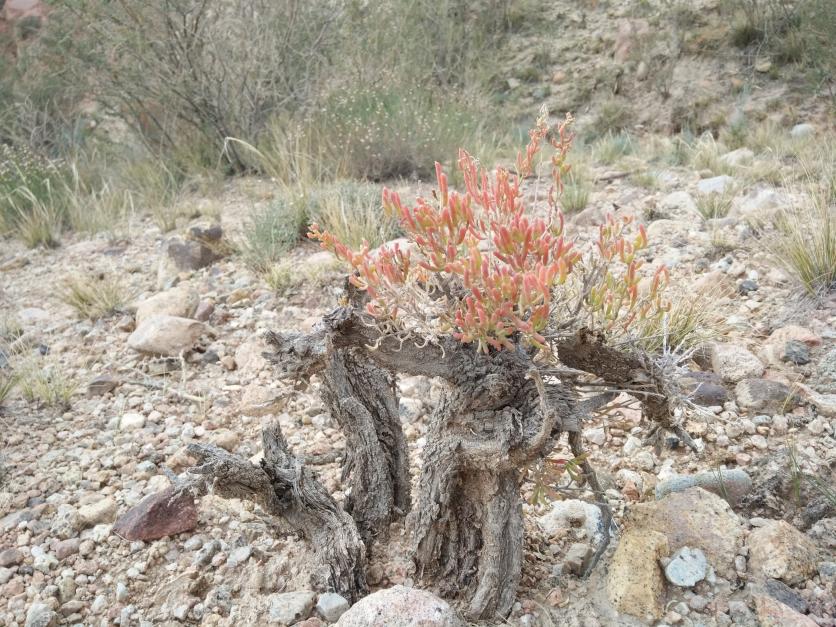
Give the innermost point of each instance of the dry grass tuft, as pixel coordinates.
(692, 320)
(94, 296)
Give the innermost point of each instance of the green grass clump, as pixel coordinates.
(46, 386)
(354, 213)
(715, 205)
(612, 147)
(575, 196)
(271, 230)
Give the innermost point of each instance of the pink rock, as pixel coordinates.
(772, 613)
(157, 516)
(17, 9)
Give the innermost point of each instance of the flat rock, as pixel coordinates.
(157, 516)
(695, 518)
(101, 385)
(401, 607)
(739, 157)
(635, 584)
(779, 551)
(773, 613)
(678, 205)
(166, 335)
(765, 396)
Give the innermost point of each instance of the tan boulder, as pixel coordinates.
(772, 613)
(635, 583)
(695, 518)
(166, 335)
(179, 301)
(780, 551)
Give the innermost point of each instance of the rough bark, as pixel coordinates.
(587, 351)
(362, 398)
(491, 421)
(284, 487)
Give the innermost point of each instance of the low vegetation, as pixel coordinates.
(94, 296)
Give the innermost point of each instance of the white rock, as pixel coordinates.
(570, 514)
(678, 205)
(687, 567)
(131, 422)
(102, 511)
(596, 436)
(331, 606)
(800, 131)
(41, 615)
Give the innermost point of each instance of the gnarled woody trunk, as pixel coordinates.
(490, 422)
(495, 416)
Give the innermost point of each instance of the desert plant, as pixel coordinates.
(94, 296)
(486, 297)
(705, 154)
(805, 243)
(691, 320)
(611, 147)
(715, 204)
(46, 385)
(272, 229)
(613, 117)
(353, 212)
(32, 195)
(575, 195)
(7, 384)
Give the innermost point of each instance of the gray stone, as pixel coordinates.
(10, 557)
(686, 567)
(401, 607)
(731, 484)
(765, 395)
(331, 606)
(780, 591)
(41, 615)
(704, 389)
(291, 607)
(131, 421)
(576, 557)
(796, 352)
(715, 184)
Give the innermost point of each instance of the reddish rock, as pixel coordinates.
(772, 613)
(157, 516)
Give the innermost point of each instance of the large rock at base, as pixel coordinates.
(765, 396)
(694, 518)
(678, 205)
(166, 335)
(732, 484)
(734, 363)
(401, 607)
(158, 515)
(179, 301)
(772, 613)
(202, 247)
(635, 584)
(778, 550)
